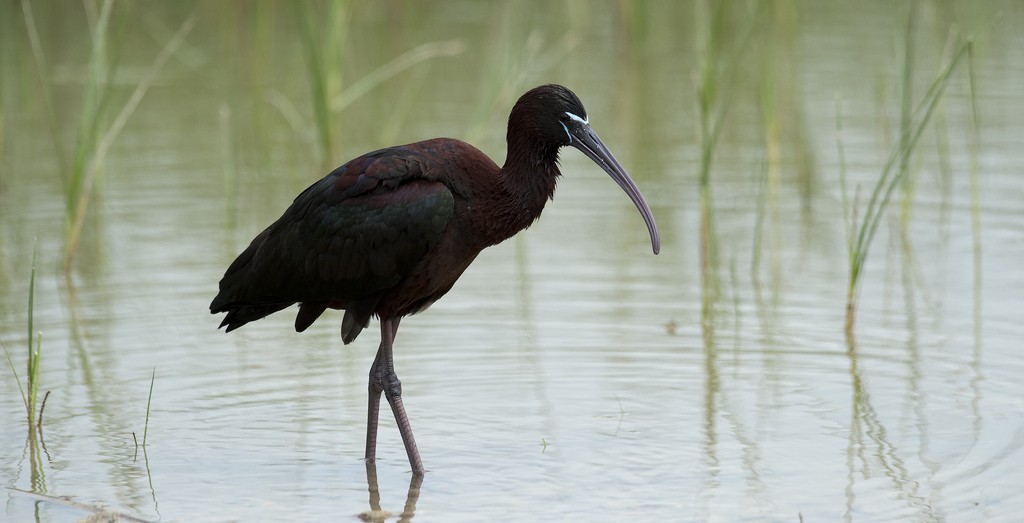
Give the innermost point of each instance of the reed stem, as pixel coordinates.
(894, 174)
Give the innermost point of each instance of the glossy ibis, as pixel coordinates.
(390, 232)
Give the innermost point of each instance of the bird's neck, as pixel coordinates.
(529, 176)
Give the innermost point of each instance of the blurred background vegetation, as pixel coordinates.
(292, 91)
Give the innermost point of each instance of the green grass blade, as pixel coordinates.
(380, 75)
(14, 370)
(149, 401)
(33, 350)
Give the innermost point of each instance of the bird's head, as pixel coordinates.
(547, 115)
(551, 116)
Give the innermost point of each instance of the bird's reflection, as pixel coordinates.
(376, 513)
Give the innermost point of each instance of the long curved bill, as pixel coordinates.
(585, 139)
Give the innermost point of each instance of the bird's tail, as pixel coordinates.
(241, 313)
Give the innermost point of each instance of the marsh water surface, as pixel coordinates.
(570, 375)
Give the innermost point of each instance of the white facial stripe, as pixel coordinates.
(577, 118)
(573, 117)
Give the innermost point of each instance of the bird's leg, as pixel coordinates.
(388, 328)
(373, 409)
(383, 379)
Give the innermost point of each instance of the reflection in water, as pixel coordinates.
(96, 513)
(866, 422)
(376, 513)
(712, 464)
(149, 479)
(36, 447)
(527, 336)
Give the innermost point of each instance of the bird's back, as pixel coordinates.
(343, 243)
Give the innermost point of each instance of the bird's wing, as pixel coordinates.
(351, 235)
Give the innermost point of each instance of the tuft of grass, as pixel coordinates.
(895, 171)
(92, 140)
(91, 147)
(30, 393)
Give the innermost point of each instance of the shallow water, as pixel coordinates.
(571, 374)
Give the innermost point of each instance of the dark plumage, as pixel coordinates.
(391, 231)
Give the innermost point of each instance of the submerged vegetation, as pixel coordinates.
(913, 122)
(30, 390)
(732, 49)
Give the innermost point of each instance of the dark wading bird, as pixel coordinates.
(390, 232)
